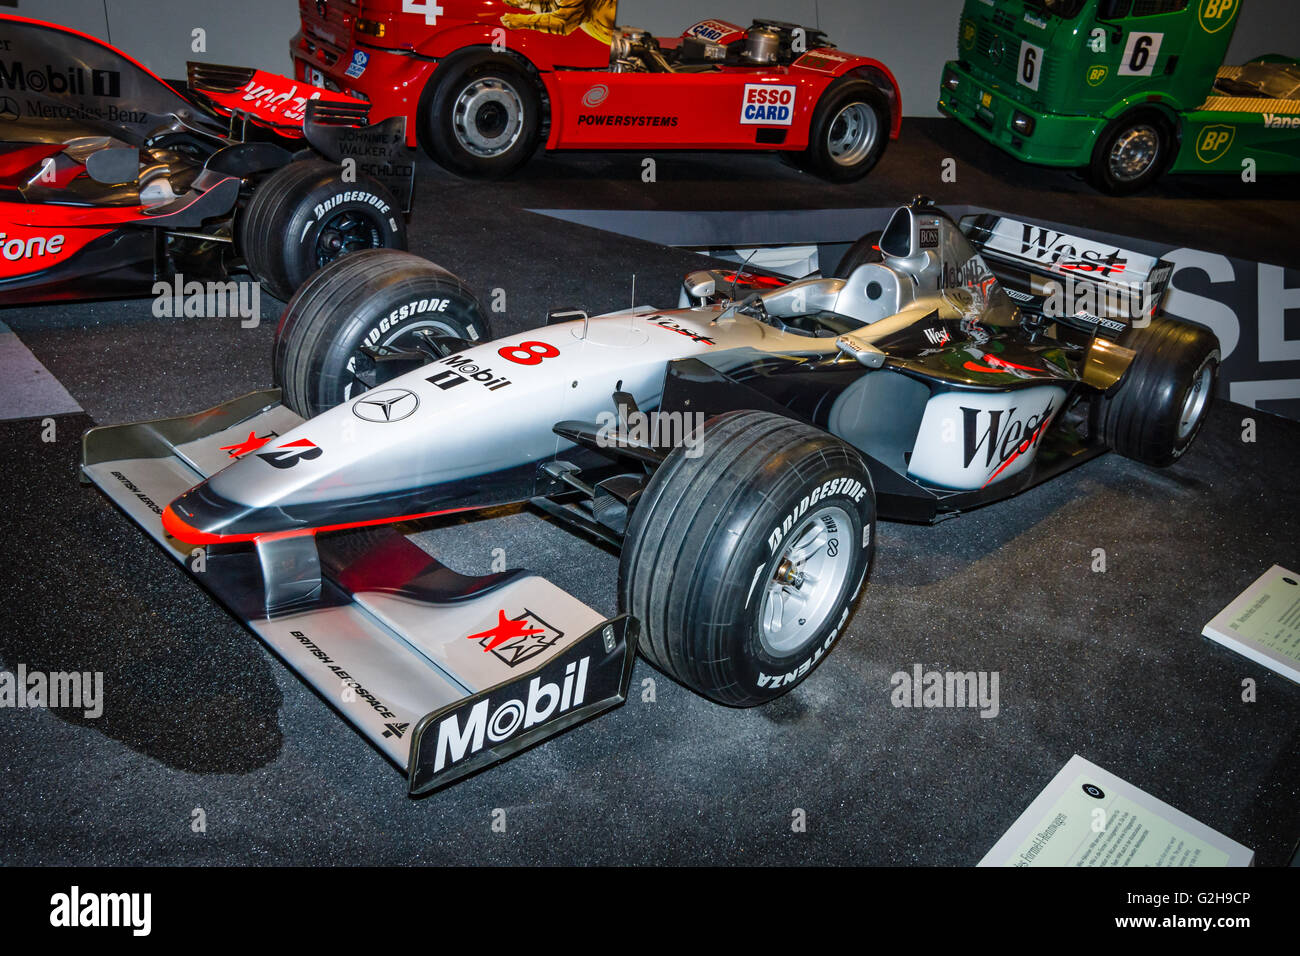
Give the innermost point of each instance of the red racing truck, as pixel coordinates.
(483, 82)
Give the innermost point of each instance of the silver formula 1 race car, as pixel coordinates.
(739, 449)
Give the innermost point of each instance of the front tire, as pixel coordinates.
(1132, 153)
(304, 216)
(483, 115)
(371, 299)
(849, 131)
(1154, 412)
(741, 564)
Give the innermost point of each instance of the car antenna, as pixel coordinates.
(735, 276)
(634, 300)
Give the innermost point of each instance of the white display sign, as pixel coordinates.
(1089, 817)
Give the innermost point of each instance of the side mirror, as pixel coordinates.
(700, 285)
(861, 350)
(116, 164)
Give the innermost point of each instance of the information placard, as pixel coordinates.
(1263, 622)
(1089, 817)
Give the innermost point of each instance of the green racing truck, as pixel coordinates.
(1125, 89)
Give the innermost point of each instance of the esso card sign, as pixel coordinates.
(715, 31)
(768, 105)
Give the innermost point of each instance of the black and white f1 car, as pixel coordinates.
(111, 178)
(739, 449)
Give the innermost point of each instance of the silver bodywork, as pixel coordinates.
(445, 690)
(403, 671)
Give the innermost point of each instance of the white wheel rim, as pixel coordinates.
(488, 117)
(805, 581)
(853, 134)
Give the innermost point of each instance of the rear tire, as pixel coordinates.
(866, 249)
(741, 564)
(284, 240)
(483, 115)
(849, 131)
(1154, 412)
(375, 298)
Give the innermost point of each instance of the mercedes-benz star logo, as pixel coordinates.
(390, 405)
(8, 109)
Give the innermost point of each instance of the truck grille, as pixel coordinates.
(997, 54)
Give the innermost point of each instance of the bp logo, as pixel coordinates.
(1216, 14)
(1097, 74)
(1214, 142)
(968, 34)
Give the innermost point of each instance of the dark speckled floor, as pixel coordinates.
(1109, 665)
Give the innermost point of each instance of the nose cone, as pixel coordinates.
(202, 516)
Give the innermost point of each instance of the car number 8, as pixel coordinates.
(528, 353)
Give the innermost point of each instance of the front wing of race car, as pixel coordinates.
(445, 674)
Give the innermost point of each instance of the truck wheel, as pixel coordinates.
(369, 299)
(866, 249)
(1154, 412)
(849, 131)
(304, 216)
(741, 563)
(1132, 153)
(483, 115)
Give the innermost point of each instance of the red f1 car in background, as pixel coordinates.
(482, 87)
(111, 178)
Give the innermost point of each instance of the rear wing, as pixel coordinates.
(1079, 282)
(334, 124)
(266, 98)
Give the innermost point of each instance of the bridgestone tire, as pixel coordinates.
(1155, 411)
(304, 216)
(714, 536)
(375, 298)
(860, 253)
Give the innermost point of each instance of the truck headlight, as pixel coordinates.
(1023, 124)
(951, 81)
(370, 27)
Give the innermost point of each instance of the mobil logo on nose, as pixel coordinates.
(766, 104)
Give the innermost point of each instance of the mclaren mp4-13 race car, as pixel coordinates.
(112, 179)
(483, 82)
(738, 449)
